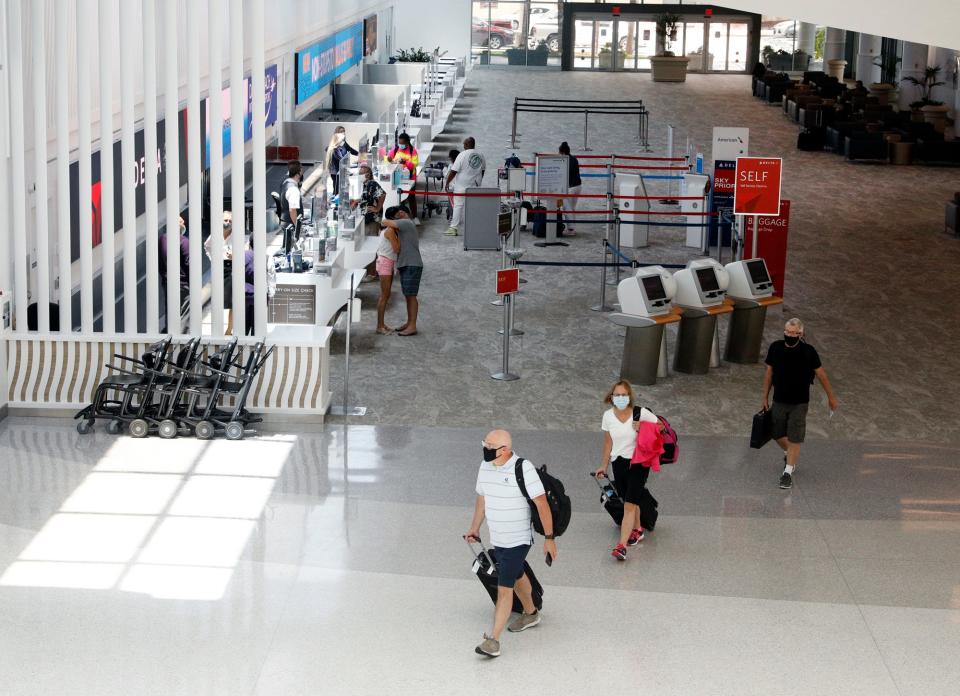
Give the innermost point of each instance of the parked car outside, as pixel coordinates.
(544, 26)
(493, 37)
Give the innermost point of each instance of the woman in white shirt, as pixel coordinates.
(619, 439)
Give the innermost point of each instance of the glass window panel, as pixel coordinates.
(738, 47)
(717, 46)
(583, 41)
(693, 46)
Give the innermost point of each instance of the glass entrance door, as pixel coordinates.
(636, 41)
(595, 44)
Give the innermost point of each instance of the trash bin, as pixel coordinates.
(641, 361)
(694, 342)
(746, 332)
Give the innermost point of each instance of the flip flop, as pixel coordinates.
(385, 332)
(414, 333)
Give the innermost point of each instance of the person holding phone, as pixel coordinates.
(619, 441)
(501, 502)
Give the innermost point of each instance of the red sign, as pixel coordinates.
(508, 281)
(724, 178)
(771, 244)
(757, 190)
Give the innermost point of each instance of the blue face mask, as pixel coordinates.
(402, 147)
(621, 402)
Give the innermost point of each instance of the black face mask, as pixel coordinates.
(791, 341)
(490, 453)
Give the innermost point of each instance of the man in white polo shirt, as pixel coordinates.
(507, 512)
(466, 172)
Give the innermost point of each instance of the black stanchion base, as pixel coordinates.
(549, 244)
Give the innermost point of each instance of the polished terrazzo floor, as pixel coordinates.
(331, 562)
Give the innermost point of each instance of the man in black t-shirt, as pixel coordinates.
(791, 366)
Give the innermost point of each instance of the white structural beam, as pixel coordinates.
(215, 116)
(107, 36)
(18, 190)
(128, 180)
(172, 169)
(84, 153)
(238, 109)
(259, 167)
(64, 257)
(194, 193)
(41, 227)
(151, 237)
(5, 224)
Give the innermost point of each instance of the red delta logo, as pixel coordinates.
(96, 212)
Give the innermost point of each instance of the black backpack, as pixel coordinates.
(557, 499)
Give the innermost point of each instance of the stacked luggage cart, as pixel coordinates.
(170, 392)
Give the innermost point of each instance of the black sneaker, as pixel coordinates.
(786, 480)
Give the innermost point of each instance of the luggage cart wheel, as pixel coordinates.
(204, 430)
(234, 430)
(139, 428)
(113, 427)
(85, 427)
(167, 429)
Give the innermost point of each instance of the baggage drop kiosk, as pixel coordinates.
(751, 290)
(645, 301)
(701, 294)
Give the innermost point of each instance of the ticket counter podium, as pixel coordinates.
(751, 292)
(645, 346)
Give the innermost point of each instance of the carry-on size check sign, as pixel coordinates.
(757, 186)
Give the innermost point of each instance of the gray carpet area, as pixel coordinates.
(870, 271)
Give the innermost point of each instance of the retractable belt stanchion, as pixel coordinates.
(586, 122)
(505, 375)
(347, 410)
(603, 306)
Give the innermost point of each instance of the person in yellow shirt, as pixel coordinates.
(406, 155)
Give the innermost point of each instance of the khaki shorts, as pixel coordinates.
(789, 420)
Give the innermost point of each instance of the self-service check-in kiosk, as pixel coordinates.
(751, 289)
(701, 293)
(646, 308)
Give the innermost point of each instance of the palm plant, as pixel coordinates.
(925, 84)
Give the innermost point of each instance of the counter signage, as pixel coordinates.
(757, 187)
(326, 60)
(293, 304)
(552, 176)
(508, 281)
(724, 178)
(730, 143)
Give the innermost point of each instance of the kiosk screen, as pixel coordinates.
(707, 278)
(758, 272)
(653, 287)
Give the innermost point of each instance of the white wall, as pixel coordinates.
(432, 23)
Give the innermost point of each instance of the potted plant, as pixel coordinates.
(606, 55)
(665, 66)
(925, 108)
(414, 55)
(533, 56)
(885, 90)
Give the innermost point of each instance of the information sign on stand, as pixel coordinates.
(757, 187)
(770, 233)
(293, 304)
(730, 143)
(508, 281)
(552, 177)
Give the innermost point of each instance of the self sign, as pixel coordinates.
(757, 187)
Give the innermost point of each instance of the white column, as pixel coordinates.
(84, 153)
(834, 44)
(259, 168)
(806, 38)
(868, 50)
(151, 238)
(41, 227)
(912, 64)
(946, 58)
(129, 168)
(108, 267)
(195, 196)
(5, 223)
(172, 171)
(64, 253)
(18, 191)
(215, 116)
(238, 109)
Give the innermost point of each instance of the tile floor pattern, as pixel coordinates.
(331, 563)
(869, 270)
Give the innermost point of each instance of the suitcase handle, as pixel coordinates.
(470, 541)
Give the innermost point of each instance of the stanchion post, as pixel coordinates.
(513, 133)
(617, 233)
(586, 122)
(505, 375)
(346, 409)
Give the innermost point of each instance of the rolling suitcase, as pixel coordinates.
(484, 565)
(613, 504)
(610, 500)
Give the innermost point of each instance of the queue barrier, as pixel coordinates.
(628, 107)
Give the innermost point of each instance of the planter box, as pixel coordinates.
(937, 115)
(604, 62)
(669, 68)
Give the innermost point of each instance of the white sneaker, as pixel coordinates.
(452, 232)
(416, 221)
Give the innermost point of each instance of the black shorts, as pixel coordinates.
(410, 280)
(789, 421)
(510, 564)
(630, 481)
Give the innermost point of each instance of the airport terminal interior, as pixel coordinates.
(282, 510)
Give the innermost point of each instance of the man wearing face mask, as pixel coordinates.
(792, 365)
(507, 512)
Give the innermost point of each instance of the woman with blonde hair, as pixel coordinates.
(337, 150)
(619, 441)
